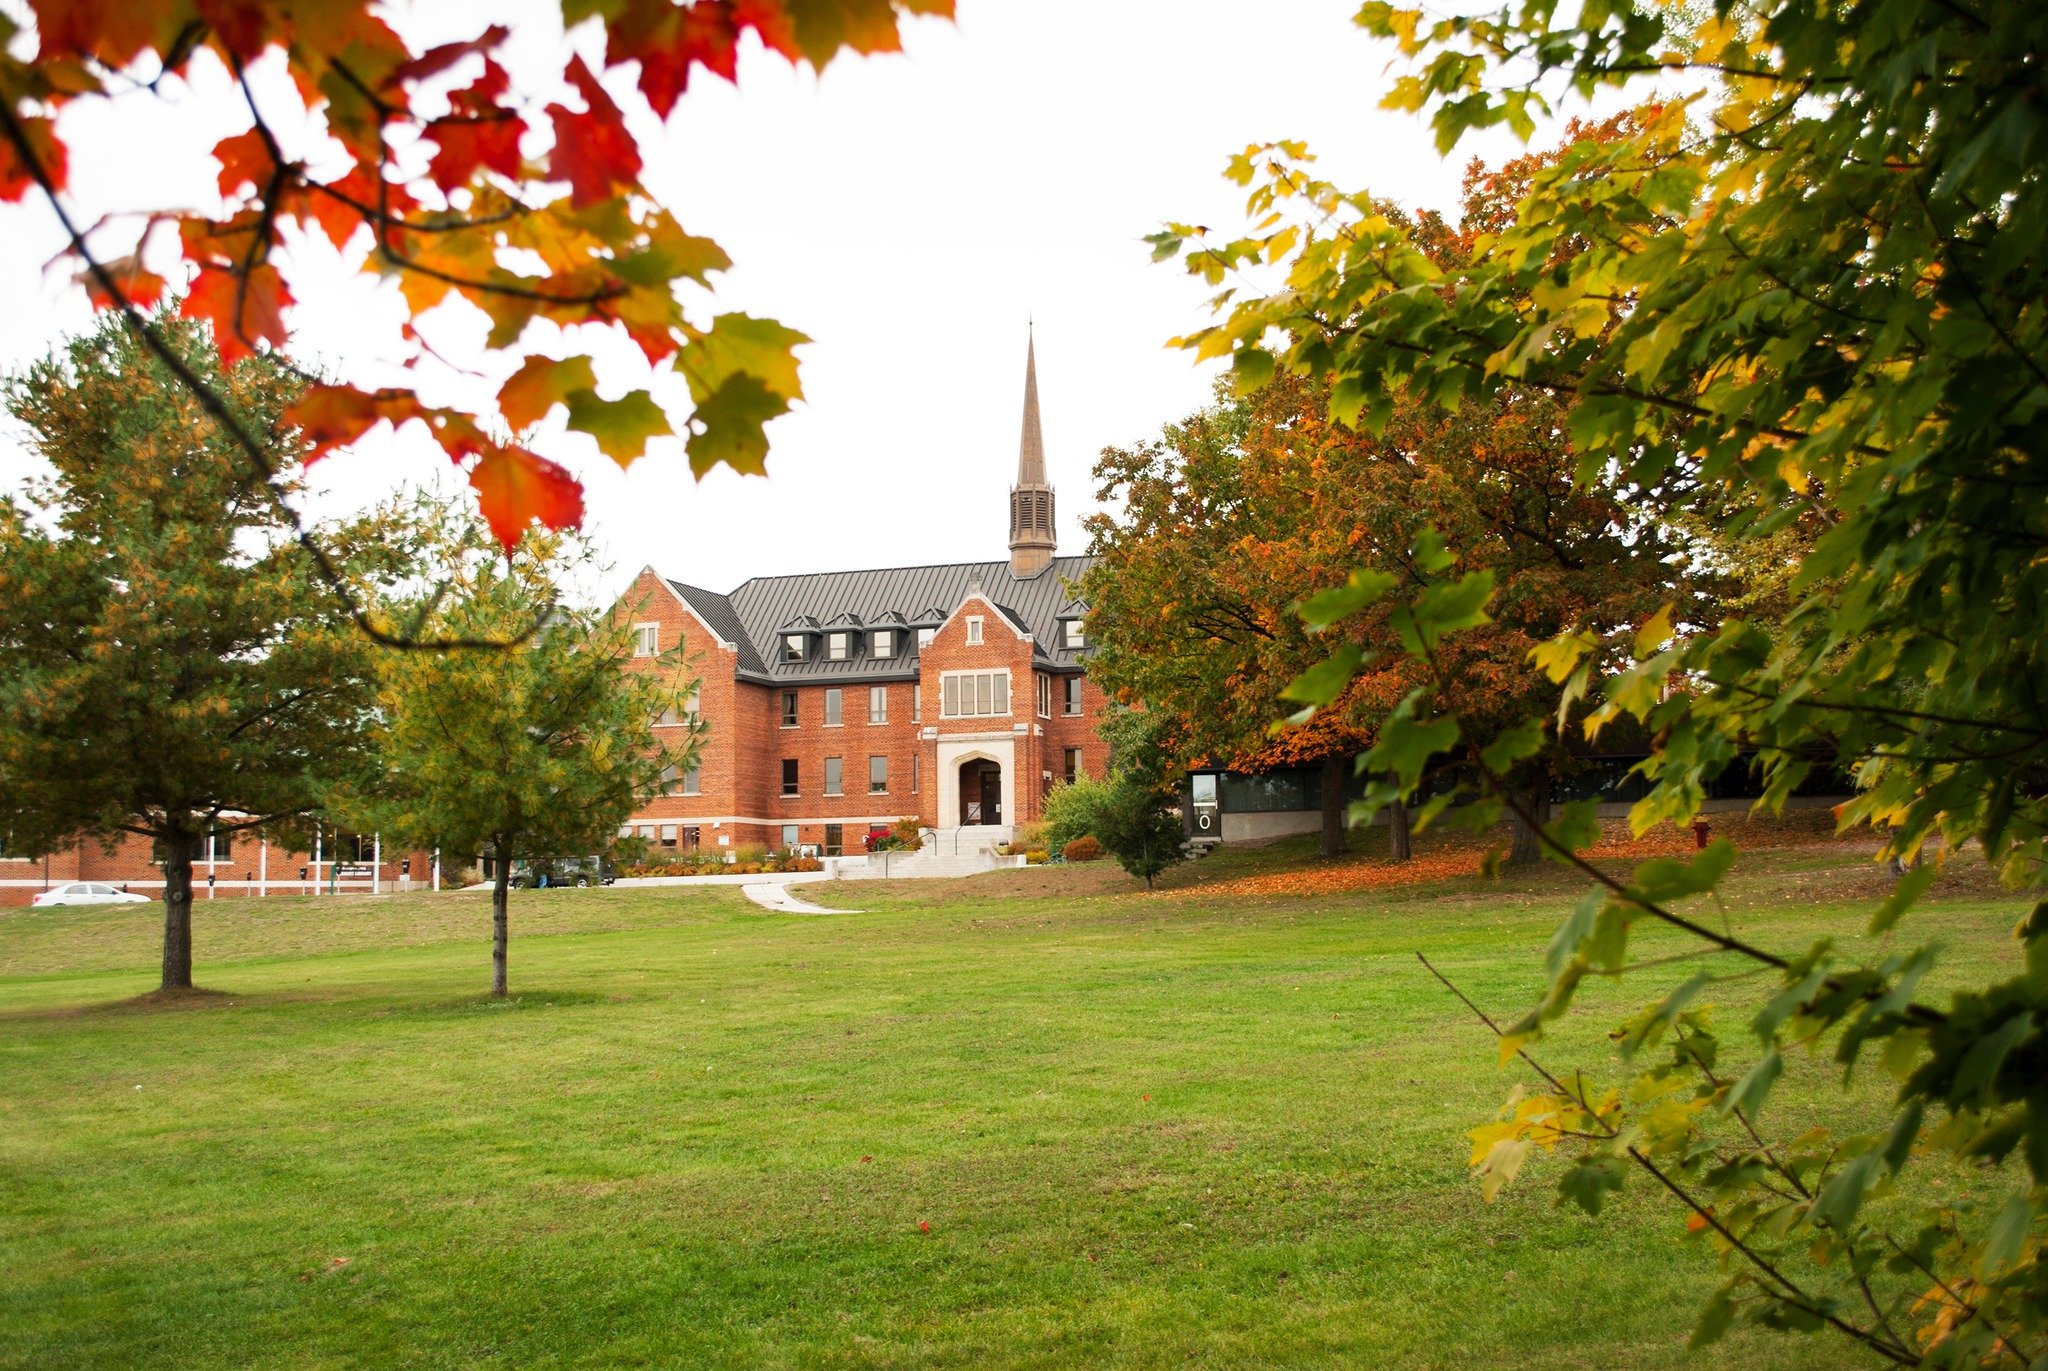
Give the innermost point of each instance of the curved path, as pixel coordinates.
(778, 897)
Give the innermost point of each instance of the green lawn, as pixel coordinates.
(1143, 1130)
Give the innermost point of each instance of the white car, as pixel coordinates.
(86, 892)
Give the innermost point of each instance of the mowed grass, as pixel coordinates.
(1030, 1119)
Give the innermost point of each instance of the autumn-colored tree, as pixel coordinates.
(173, 665)
(1244, 508)
(438, 174)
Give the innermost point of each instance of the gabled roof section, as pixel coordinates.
(845, 618)
(717, 613)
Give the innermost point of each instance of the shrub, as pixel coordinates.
(1073, 810)
(1037, 856)
(1026, 837)
(1082, 849)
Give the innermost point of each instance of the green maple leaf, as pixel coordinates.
(622, 426)
(732, 424)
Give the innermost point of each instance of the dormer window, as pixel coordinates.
(1074, 638)
(974, 631)
(792, 647)
(838, 646)
(883, 644)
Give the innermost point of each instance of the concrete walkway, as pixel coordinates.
(777, 896)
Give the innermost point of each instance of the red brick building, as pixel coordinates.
(225, 865)
(835, 703)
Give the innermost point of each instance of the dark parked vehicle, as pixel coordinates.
(561, 871)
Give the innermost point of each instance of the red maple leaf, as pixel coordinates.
(244, 161)
(667, 41)
(41, 136)
(242, 310)
(515, 488)
(478, 131)
(593, 151)
(329, 417)
(438, 59)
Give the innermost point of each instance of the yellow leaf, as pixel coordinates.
(1655, 632)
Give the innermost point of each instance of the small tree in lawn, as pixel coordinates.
(1129, 812)
(538, 751)
(1134, 825)
(173, 664)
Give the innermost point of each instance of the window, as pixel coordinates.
(669, 719)
(668, 834)
(1044, 695)
(924, 638)
(789, 838)
(792, 647)
(223, 847)
(835, 839)
(883, 643)
(669, 780)
(789, 775)
(973, 630)
(693, 706)
(878, 704)
(1073, 765)
(834, 699)
(916, 770)
(917, 703)
(1072, 703)
(691, 781)
(974, 694)
(646, 640)
(832, 776)
(1074, 635)
(878, 775)
(838, 646)
(789, 709)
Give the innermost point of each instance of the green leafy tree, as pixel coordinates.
(1130, 812)
(527, 753)
(171, 664)
(1814, 292)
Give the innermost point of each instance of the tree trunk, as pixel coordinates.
(1333, 806)
(1398, 845)
(501, 898)
(178, 912)
(1527, 846)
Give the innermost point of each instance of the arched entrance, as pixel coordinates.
(981, 792)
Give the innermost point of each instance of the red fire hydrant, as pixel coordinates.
(1699, 832)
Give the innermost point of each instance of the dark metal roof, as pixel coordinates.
(754, 614)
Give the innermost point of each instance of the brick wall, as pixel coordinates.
(130, 866)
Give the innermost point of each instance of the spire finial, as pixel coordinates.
(1032, 541)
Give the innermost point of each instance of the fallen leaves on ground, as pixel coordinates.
(1464, 860)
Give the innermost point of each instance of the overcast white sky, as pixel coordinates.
(909, 213)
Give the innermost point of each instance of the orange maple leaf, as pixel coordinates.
(515, 488)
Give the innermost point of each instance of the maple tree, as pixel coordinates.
(1240, 511)
(450, 182)
(1807, 301)
(175, 666)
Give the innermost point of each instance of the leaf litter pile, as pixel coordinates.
(1461, 855)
